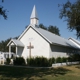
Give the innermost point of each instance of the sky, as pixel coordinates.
(19, 12)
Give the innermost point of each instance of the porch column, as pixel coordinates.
(16, 50)
(9, 50)
(3, 59)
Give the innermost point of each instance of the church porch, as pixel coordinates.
(15, 46)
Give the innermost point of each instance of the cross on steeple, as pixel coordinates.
(30, 47)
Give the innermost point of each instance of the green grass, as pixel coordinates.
(20, 73)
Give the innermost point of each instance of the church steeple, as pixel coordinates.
(34, 18)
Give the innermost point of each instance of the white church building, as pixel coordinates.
(35, 41)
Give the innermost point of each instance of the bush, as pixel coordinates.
(64, 59)
(58, 60)
(8, 60)
(69, 59)
(19, 61)
(38, 62)
(30, 61)
(75, 57)
(44, 62)
(51, 61)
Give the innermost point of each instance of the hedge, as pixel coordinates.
(19, 61)
(8, 60)
(38, 62)
(44, 62)
(58, 60)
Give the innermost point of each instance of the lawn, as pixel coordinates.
(24, 73)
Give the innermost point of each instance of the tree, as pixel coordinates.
(3, 45)
(54, 30)
(71, 13)
(42, 26)
(3, 11)
(51, 28)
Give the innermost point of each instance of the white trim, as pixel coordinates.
(43, 36)
(23, 32)
(16, 50)
(11, 42)
(76, 41)
(9, 50)
(15, 43)
(36, 31)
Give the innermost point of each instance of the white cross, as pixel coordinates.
(30, 47)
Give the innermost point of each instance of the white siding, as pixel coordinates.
(59, 51)
(19, 50)
(34, 21)
(41, 46)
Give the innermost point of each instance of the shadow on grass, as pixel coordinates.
(29, 73)
(78, 66)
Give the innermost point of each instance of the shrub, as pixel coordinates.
(8, 60)
(38, 62)
(51, 61)
(64, 59)
(75, 57)
(78, 57)
(19, 61)
(44, 62)
(69, 59)
(58, 60)
(30, 61)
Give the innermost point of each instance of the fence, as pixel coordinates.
(4, 55)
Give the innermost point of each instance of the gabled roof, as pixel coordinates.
(50, 37)
(34, 13)
(76, 41)
(16, 42)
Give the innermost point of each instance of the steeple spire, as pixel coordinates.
(34, 17)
